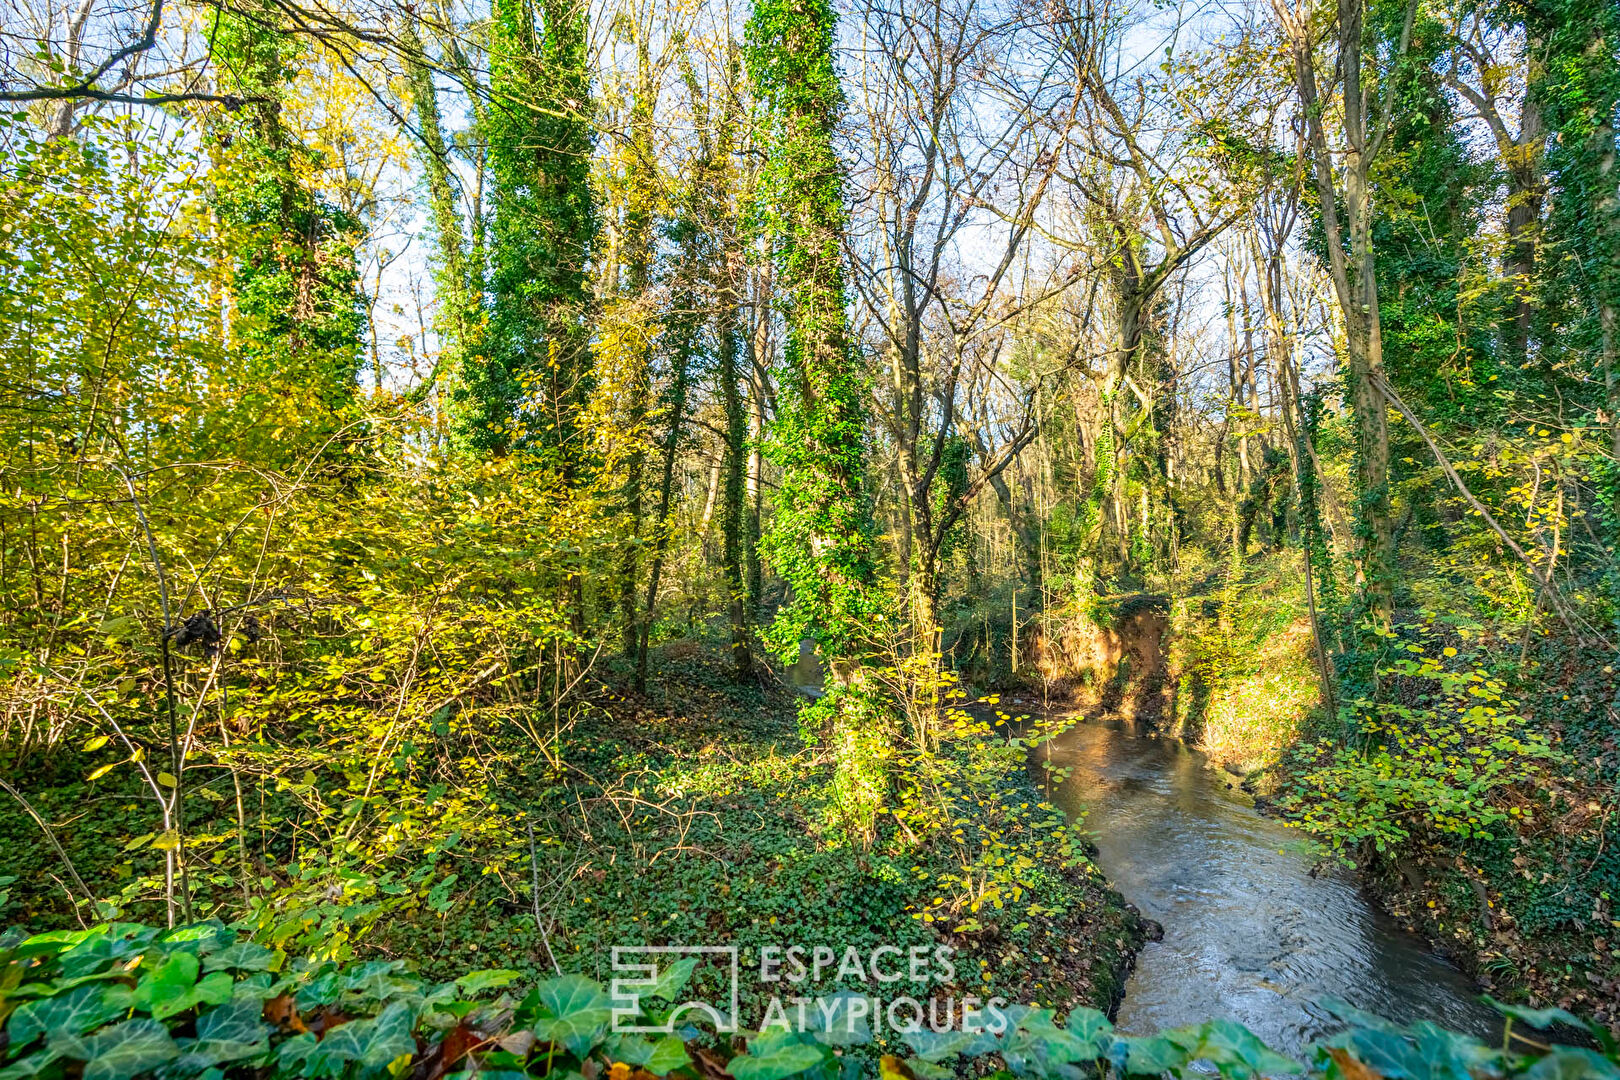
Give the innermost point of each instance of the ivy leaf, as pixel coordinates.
(578, 1010)
(123, 1051)
(660, 1058)
(1389, 1053)
(381, 980)
(201, 938)
(836, 1023)
(1536, 1018)
(1573, 1063)
(30, 1066)
(214, 989)
(1450, 1056)
(375, 1042)
(574, 996)
(922, 1070)
(673, 978)
(1153, 1054)
(774, 1055)
(167, 989)
(1356, 1017)
(1227, 1042)
(1092, 1029)
(936, 1046)
(474, 981)
(89, 953)
(228, 1033)
(243, 956)
(67, 1014)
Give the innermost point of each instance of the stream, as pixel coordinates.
(1249, 934)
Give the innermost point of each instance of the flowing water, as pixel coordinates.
(1249, 933)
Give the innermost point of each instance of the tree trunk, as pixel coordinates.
(683, 346)
(1354, 275)
(731, 515)
(637, 243)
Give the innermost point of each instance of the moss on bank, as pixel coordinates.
(1244, 666)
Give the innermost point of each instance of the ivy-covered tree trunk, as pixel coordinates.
(822, 542)
(295, 288)
(1578, 91)
(732, 510)
(759, 348)
(681, 332)
(630, 337)
(822, 536)
(532, 379)
(1343, 174)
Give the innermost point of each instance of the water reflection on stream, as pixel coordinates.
(1248, 933)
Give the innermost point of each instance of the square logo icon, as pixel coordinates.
(638, 971)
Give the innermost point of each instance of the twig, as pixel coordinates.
(534, 876)
(177, 854)
(56, 844)
(1549, 586)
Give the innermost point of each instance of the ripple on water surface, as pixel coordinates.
(1248, 932)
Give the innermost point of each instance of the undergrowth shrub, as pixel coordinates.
(121, 1001)
(1435, 762)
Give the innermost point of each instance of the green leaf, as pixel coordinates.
(240, 1021)
(1573, 1063)
(381, 980)
(30, 1066)
(1153, 1054)
(93, 956)
(574, 1012)
(670, 1054)
(475, 981)
(73, 1013)
(1228, 1042)
(935, 1046)
(673, 978)
(243, 956)
(168, 989)
(1450, 1056)
(214, 989)
(774, 1055)
(1536, 1018)
(835, 1021)
(660, 1058)
(130, 1048)
(1389, 1053)
(575, 996)
(1093, 1029)
(375, 1042)
(228, 1033)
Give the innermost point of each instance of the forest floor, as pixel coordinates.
(694, 814)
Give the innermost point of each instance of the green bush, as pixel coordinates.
(1438, 763)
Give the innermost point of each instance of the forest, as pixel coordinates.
(1108, 510)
